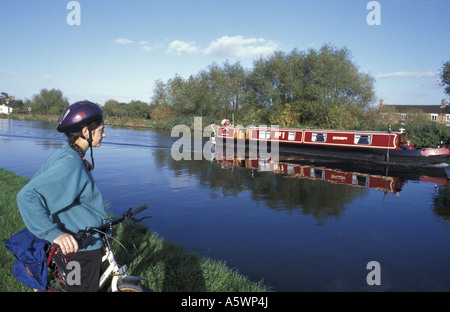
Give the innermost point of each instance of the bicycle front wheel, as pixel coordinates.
(132, 287)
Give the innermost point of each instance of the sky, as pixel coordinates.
(109, 49)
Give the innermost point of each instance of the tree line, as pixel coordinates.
(314, 88)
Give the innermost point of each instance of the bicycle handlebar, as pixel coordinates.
(139, 209)
(82, 235)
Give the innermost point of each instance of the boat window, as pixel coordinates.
(290, 169)
(241, 134)
(360, 180)
(319, 137)
(264, 134)
(317, 173)
(363, 139)
(291, 136)
(264, 165)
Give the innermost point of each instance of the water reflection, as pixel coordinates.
(291, 190)
(293, 168)
(441, 204)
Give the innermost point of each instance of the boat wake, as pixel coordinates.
(441, 165)
(63, 139)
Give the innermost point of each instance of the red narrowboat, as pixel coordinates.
(374, 146)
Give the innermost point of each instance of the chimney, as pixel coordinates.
(381, 103)
(442, 103)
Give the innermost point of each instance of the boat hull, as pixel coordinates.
(393, 157)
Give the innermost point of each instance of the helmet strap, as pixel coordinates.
(90, 147)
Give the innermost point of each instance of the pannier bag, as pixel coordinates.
(30, 266)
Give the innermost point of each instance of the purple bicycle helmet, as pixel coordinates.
(79, 115)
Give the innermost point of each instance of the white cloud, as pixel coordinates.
(240, 47)
(123, 41)
(180, 47)
(143, 44)
(405, 74)
(224, 47)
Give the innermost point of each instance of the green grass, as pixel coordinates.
(164, 266)
(10, 223)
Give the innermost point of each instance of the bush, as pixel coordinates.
(429, 134)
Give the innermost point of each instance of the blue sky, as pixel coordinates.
(122, 47)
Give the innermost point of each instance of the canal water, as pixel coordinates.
(298, 224)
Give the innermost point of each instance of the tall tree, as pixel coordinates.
(445, 77)
(336, 86)
(316, 87)
(3, 97)
(49, 102)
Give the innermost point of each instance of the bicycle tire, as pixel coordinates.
(132, 287)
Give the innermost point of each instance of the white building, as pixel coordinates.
(5, 109)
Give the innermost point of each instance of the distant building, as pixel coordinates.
(5, 109)
(438, 113)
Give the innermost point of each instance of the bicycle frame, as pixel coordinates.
(114, 270)
(118, 273)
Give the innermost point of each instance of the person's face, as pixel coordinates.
(98, 135)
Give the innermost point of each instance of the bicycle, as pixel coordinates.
(120, 281)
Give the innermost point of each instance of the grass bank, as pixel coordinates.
(164, 266)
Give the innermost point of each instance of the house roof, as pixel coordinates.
(429, 109)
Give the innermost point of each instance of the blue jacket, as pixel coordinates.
(62, 197)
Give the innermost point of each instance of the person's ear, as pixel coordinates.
(85, 132)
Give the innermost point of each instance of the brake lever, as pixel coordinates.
(131, 220)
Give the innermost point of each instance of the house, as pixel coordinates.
(438, 113)
(5, 109)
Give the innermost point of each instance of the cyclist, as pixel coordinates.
(63, 197)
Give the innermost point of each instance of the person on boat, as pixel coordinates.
(407, 146)
(225, 123)
(63, 197)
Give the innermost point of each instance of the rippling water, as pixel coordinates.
(299, 224)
